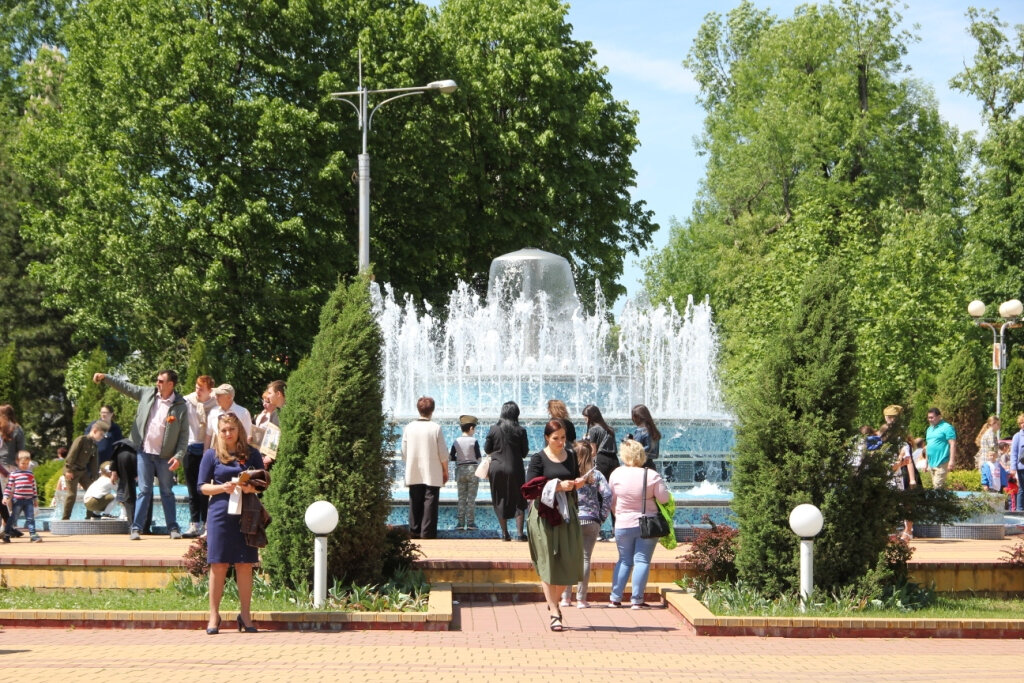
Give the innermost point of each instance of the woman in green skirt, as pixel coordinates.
(556, 543)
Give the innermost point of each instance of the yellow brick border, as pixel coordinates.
(698, 616)
(439, 612)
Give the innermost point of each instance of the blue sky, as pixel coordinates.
(643, 44)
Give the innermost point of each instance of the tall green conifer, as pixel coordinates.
(332, 448)
(794, 422)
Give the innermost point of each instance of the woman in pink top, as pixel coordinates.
(628, 494)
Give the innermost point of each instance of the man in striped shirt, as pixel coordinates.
(21, 494)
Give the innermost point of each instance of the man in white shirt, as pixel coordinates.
(426, 469)
(225, 395)
(200, 403)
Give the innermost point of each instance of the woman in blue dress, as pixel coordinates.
(225, 544)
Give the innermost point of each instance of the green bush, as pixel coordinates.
(333, 448)
(10, 384)
(920, 401)
(793, 422)
(964, 480)
(47, 475)
(1013, 395)
(960, 395)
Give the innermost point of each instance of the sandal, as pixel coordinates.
(556, 623)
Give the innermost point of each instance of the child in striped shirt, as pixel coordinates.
(21, 494)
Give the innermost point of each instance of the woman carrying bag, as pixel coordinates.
(633, 499)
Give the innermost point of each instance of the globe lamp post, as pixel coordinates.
(806, 522)
(359, 100)
(321, 518)
(1010, 311)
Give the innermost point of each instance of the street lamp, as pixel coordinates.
(365, 117)
(321, 518)
(806, 522)
(1010, 311)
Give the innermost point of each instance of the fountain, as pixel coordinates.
(531, 340)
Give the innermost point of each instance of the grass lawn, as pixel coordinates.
(158, 600)
(944, 607)
(185, 595)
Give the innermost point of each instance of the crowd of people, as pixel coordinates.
(568, 489)
(998, 461)
(204, 432)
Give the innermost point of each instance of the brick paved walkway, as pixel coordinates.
(499, 642)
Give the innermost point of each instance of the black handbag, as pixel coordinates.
(651, 527)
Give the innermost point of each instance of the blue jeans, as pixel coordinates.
(150, 465)
(26, 505)
(634, 558)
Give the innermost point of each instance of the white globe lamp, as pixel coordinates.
(1011, 309)
(321, 518)
(806, 522)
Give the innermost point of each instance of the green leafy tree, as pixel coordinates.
(790, 449)
(960, 391)
(543, 145)
(996, 215)
(90, 395)
(1013, 396)
(31, 68)
(200, 362)
(10, 389)
(332, 448)
(921, 400)
(206, 184)
(820, 151)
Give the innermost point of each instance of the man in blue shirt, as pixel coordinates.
(941, 447)
(1017, 458)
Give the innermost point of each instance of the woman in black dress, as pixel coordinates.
(225, 543)
(507, 445)
(556, 551)
(602, 436)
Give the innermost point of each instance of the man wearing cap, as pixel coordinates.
(160, 437)
(426, 469)
(897, 432)
(940, 447)
(466, 454)
(225, 395)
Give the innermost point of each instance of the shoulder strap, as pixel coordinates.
(643, 506)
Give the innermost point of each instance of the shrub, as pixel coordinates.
(920, 401)
(47, 475)
(399, 552)
(793, 420)
(333, 448)
(964, 480)
(10, 384)
(194, 558)
(1013, 395)
(960, 392)
(1014, 555)
(713, 554)
(898, 554)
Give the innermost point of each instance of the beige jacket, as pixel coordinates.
(424, 453)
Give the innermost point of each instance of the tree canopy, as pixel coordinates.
(821, 150)
(191, 178)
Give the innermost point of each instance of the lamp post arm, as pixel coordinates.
(373, 111)
(359, 114)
